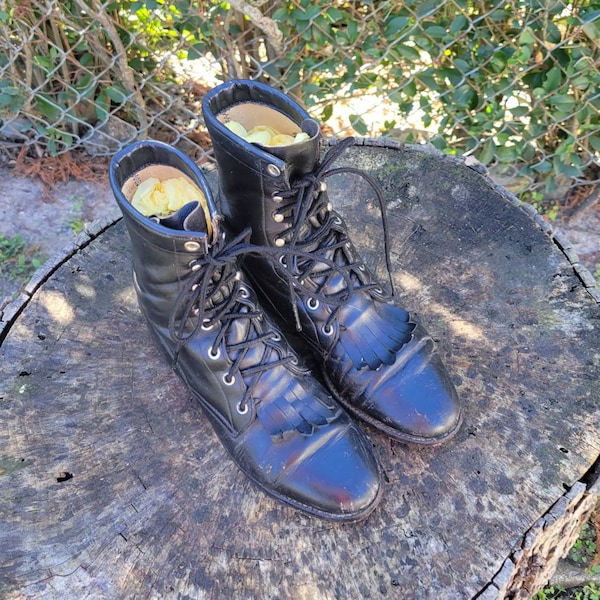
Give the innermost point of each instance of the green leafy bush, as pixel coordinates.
(512, 82)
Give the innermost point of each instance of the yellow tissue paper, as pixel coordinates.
(162, 198)
(265, 135)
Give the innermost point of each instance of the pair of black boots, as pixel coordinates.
(237, 300)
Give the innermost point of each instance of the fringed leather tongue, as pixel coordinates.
(301, 157)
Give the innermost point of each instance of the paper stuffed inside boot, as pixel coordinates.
(168, 197)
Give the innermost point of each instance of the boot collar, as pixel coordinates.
(285, 162)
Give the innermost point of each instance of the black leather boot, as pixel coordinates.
(280, 426)
(380, 364)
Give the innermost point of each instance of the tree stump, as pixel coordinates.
(113, 485)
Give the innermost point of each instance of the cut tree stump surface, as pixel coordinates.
(113, 485)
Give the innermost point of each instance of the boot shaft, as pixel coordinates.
(251, 176)
(163, 248)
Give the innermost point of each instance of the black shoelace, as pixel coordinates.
(214, 296)
(318, 237)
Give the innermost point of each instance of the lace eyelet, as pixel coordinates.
(337, 220)
(361, 268)
(214, 356)
(322, 186)
(276, 197)
(228, 379)
(378, 290)
(195, 311)
(242, 410)
(206, 325)
(194, 287)
(244, 293)
(277, 217)
(327, 330)
(312, 304)
(275, 337)
(193, 265)
(295, 361)
(282, 260)
(273, 170)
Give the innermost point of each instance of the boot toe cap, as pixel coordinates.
(411, 400)
(339, 481)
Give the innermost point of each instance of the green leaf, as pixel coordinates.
(553, 79)
(462, 65)
(543, 167)
(280, 14)
(595, 142)
(562, 102)
(48, 108)
(458, 24)
(333, 14)
(435, 31)
(358, 124)
(564, 168)
(102, 106)
(408, 52)
(488, 151)
(116, 94)
(519, 111)
(395, 25)
(327, 112)
(527, 38)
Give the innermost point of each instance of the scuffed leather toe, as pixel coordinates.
(340, 481)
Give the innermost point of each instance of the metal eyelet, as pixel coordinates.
(275, 337)
(294, 361)
(214, 356)
(238, 275)
(195, 311)
(378, 290)
(323, 186)
(282, 260)
(276, 197)
(312, 304)
(244, 293)
(329, 207)
(191, 246)
(327, 330)
(228, 379)
(273, 170)
(361, 268)
(242, 410)
(193, 265)
(279, 242)
(206, 325)
(337, 220)
(277, 217)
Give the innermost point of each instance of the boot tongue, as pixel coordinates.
(189, 217)
(301, 158)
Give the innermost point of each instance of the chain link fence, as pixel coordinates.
(516, 83)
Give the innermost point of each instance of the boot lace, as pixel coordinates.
(215, 297)
(319, 245)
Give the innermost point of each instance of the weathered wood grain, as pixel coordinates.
(112, 485)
